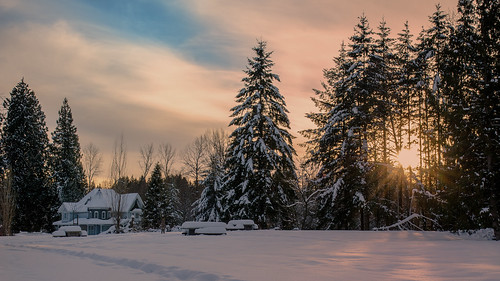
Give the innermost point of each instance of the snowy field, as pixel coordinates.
(253, 255)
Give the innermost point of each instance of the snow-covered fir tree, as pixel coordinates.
(260, 169)
(209, 206)
(160, 204)
(340, 143)
(25, 147)
(66, 161)
(460, 89)
(472, 94)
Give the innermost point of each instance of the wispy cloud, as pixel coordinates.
(168, 70)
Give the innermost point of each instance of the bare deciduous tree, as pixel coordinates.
(195, 160)
(217, 142)
(119, 161)
(7, 202)
(92, 162)
(117, 172)
(306, 193)
(147, 159)
(167, 155)
(117, 209)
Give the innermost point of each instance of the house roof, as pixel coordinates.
(103, 199)
(72, 207)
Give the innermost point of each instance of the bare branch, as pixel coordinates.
(92, 162)
(147, 159)
(167, 155)
(195, 160)
(119, 163)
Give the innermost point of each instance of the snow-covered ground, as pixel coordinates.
(251, 255)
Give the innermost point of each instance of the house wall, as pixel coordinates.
(102, 214)
(69, 216)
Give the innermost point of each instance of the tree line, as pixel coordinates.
(438, 95)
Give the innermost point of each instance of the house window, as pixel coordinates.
(96, 214)
(103, 215)
(109, 214)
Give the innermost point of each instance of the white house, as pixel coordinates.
(93, 212)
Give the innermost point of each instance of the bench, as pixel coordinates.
(206, 228)
(241, 225)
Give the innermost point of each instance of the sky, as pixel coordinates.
(166, 71)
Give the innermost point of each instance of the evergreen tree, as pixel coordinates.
(340, 144)
(171, 205)
(460, 90)
(405, 81)
(187, 194)
(408, 107)
(487, 107)
(209, 206)
(261, 171)
(25, 146)
(66, 158)
(154, 202)
(160, 204)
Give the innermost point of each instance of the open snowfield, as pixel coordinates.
(252, 255)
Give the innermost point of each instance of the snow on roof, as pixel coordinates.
(102, 199)
(72, 207)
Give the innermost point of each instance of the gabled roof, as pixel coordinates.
(130, 200)
(102, 199)
(72, 207)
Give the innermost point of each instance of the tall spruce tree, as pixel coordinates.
(460, 89)
(486, 109)
(25, 146)
(66, 157)
(261, 171)
(340, 144)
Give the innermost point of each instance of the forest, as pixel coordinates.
(406, 136)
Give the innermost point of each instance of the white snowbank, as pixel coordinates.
(251, 255)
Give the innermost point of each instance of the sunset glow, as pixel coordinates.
(408, 157)
(166, 71)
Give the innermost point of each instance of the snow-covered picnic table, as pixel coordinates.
(208, 228)
(69, 231)
(241, 225)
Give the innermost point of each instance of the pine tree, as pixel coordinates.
(25, 146)
(462, 192)
(261, 171)
(340, 144)
(161, 200)
(209, 206)
(66, 158)
(171, 205)
(485, 107)
(154, 200)
(407, 106)
(405, 81)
